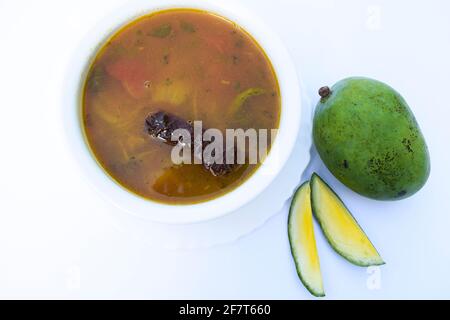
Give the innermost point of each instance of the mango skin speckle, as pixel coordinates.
(369, 139)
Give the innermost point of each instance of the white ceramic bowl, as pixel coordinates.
(178, 214)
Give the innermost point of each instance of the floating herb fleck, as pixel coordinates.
(239, 43)
(96, 79)
(166, 58)
(139, 43)
(117, 50)
(162, 31)
(188, 27)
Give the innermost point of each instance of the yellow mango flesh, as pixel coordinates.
(303, 242)
(340, 227)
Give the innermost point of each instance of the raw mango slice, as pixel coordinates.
(241, 98)
(303, 242)
(340, 227)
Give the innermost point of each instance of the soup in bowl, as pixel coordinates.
(192, 69)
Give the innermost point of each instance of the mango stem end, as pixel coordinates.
(324, 92)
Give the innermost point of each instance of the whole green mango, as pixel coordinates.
(369, 139)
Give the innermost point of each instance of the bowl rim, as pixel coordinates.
(136, 205)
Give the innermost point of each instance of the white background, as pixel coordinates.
(57, 242)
